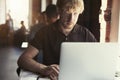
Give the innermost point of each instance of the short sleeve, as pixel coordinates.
(37, 40)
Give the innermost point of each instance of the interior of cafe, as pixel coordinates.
(101, 17)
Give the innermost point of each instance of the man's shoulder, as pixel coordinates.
(86, 32)
(46, 29)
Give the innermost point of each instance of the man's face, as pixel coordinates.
(69, 18)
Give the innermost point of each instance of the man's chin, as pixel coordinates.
(69, 26)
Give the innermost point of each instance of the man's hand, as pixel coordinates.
(55, 72)
(51, 71)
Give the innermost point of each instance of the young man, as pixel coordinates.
(50, 38)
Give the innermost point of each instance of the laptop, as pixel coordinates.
(88, 61)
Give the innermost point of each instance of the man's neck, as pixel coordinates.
(66, 30)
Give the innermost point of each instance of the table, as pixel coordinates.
(26, 75)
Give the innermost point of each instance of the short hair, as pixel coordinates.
(51, 11)
(70, 4)
(22, 22)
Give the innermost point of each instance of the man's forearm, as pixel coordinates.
(31, 65)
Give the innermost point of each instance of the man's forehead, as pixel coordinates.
(65, 5)
(77, 9)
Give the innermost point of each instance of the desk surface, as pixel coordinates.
(26, 75)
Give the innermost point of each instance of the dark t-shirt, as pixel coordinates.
(49, 39)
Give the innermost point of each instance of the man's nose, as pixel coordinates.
(71, 17)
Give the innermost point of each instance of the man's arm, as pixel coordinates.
(27, 62)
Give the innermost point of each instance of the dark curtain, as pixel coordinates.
(90, 17)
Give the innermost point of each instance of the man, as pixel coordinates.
(50, 38)
(20, 35)
(49, 16)
(51, 13)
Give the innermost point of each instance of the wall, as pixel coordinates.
(115, 22)
(36, 9)
(2, 11)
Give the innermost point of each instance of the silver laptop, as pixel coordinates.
(88, 61)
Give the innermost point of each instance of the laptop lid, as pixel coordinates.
(88, 61)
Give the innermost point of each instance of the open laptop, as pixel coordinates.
(88, 61)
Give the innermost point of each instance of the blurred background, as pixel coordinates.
(17, 17)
